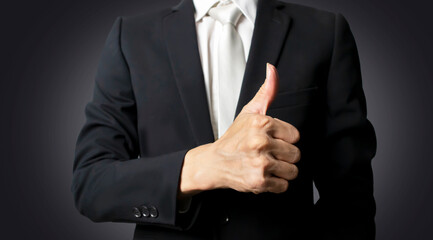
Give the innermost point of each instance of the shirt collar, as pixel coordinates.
(247, 7)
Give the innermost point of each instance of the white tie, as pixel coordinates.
(231, 64)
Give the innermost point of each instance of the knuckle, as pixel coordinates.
(262, 163)
(258, 183)
(260, 121)
(265, 163)
(258, 142)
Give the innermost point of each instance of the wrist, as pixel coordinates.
(195, 176)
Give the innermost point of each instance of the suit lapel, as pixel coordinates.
(269, 35)
(181, 40)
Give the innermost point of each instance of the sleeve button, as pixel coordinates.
(224, 218)
(145, 211)
(153, 211)
(136, 212)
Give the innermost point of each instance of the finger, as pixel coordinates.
(284, 151)
(283, 130)
(276, 184)
(285, 170)
(266, 94)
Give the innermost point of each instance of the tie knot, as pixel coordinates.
(224, 14)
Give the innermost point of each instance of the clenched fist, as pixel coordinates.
(256, 153)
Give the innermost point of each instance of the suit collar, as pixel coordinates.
(247, 7)
(202, 7)
(180, 36)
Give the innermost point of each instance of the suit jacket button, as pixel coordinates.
(153, 211)
(145, 211)
(225, 218)
(136, 212)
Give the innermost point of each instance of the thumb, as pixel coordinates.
(266, 94)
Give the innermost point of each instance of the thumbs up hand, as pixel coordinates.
(256, 153)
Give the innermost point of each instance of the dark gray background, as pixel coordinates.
(50, 50)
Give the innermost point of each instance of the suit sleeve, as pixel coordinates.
(346, 207)
(110, 180)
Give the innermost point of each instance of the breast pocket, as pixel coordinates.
(295, 98)
(299, 108)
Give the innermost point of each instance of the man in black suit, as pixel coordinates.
(147, 145)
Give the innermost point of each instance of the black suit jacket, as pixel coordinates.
(149, 108)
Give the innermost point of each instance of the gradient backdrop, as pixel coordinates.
(49, 54)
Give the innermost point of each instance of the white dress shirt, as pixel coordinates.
(208, 33)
